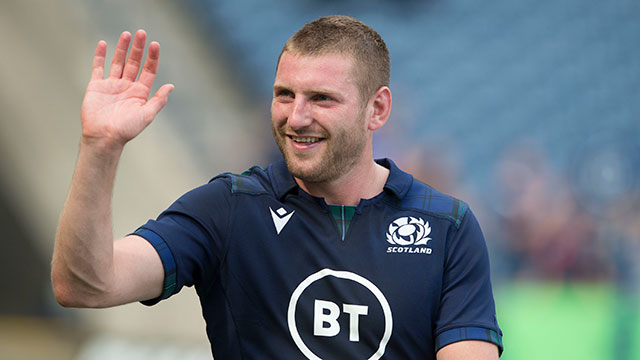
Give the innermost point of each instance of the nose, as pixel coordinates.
(300, 115)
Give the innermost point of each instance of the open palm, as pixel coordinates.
(118, 108)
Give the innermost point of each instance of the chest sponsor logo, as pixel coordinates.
(409, 234)
(280, 218)
(354, 319)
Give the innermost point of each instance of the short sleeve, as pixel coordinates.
(189, 237)
(467, 308)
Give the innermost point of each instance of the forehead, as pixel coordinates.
(325, 70)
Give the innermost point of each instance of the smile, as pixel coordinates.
(306, 140)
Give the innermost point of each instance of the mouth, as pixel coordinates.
(303, 144)
(304, 139)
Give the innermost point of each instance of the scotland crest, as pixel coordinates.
(408, 230)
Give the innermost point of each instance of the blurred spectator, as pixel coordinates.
(548, 235)
(435, 162)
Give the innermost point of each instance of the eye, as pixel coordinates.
(284, 93)
(321, 97)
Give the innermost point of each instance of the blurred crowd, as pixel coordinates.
(544, 222)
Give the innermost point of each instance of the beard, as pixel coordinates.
(342, 150)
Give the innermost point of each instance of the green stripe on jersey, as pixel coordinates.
(342, 215)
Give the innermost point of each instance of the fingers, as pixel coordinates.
(117, 64)
(129, 71)
(157, 102)
(135, 56)
(150, 69)
(97, 69)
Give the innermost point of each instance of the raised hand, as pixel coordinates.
(118, 108)
(88, 270)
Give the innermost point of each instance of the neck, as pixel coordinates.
(362, 182)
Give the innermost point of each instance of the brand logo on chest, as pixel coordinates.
(339, 314)
(280, 218)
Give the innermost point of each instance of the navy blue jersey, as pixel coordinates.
(279, 278)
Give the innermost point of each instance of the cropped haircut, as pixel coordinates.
(344, 35)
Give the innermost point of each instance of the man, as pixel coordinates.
(325, 255)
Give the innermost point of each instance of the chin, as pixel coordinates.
(307, 171)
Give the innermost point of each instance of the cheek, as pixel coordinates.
(278, 113)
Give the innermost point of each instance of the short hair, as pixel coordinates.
(339, 34)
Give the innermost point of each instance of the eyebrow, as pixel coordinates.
(278, 88)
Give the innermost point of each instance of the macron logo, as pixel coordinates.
(280, 218)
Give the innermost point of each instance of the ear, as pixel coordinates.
(380, 102)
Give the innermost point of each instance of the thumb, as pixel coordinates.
(159, 99)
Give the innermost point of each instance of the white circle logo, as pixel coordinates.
(291, 318)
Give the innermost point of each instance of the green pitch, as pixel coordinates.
(568, 321)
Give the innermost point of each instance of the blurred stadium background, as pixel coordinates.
(529, 110)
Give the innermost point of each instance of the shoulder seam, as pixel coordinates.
(424, 198)
(244, 183)
(455, 222)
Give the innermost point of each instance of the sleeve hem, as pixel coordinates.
(168, 263)
(469, 333)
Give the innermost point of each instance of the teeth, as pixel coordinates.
(309, 140)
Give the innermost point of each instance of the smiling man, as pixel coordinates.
(327, 254)
(323, 126)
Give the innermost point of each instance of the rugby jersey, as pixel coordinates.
(282, 275)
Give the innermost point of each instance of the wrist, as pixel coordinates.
(104, 146)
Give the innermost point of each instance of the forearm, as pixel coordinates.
(86, 271)
(82, 270)
(469, 349)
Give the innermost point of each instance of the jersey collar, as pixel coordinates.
(398, 182)
(282, 180)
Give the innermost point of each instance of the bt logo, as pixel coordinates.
(312, 317)
(330, 318)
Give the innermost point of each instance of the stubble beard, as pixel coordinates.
(342, 152)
